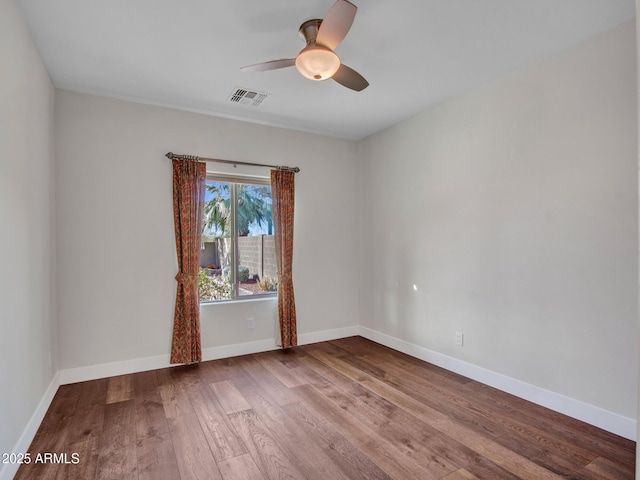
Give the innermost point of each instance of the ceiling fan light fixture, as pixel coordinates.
(317, 63)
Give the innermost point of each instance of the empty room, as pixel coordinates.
(321, 239)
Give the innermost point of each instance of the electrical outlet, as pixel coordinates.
(250, 323)
(459, 339)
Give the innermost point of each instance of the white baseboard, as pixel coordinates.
(226, 351)
(8, 470)
(103, 370)
(326, 335)
(604, 419)
(93, 372)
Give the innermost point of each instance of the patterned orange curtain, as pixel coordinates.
(283, 194)
(188, 206)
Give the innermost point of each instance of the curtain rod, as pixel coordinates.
(174, 156)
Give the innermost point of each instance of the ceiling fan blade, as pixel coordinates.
(336, 24)
(348, 77)
(272, 65)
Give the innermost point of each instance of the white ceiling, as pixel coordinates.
(415, 53)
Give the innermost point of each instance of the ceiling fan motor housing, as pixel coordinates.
(309, 31)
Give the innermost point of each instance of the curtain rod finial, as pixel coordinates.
(290, 169)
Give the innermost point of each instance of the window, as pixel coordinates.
(238, 256)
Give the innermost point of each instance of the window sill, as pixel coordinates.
(240, 300)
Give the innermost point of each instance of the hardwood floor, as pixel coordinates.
(345, 409)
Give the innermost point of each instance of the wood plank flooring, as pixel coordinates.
(345, 409)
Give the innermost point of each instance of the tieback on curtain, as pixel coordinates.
(186, 279)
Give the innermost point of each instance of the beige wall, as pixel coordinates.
(114, 197)
(513, 210)
(28, 334)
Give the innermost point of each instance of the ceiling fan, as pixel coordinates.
(317, 61)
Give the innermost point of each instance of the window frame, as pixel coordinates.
(234, 181)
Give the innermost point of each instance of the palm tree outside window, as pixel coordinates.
(238, 248)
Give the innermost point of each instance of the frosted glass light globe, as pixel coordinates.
(317, 63)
